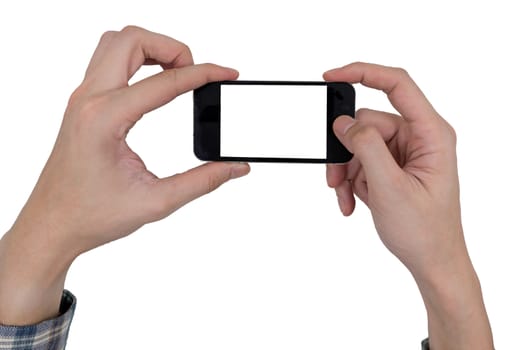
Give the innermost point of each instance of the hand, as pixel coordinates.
(405, 170)
(94, 188)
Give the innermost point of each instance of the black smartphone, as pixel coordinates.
(271, 121)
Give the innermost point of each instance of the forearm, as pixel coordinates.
(32, 275)
(457, 318)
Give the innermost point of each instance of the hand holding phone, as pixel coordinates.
(271, 121)
(405, 171)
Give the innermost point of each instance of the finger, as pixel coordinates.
(151, 62)
(103, 44)
(174, 192)
(336, 174)
(360, 187)
(345, 196)
(401, 90)
(353, 169)
(387, 124)
(369, 147)
(157, 90)
(115, 62)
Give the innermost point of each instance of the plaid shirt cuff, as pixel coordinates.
(46, 335)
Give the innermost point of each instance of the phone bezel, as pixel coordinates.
(340, 100)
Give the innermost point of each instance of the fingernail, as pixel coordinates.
(239, 170)
(233, 70)
(342, 124)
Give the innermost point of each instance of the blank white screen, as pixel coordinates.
(273, 121)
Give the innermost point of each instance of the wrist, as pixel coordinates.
(456, 312)
(449, 289)
(33, 267)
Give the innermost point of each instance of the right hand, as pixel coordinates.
(405, 170)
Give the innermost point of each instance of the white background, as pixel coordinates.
(267, 262)
(270, 121)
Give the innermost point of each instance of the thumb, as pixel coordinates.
(180, 189)
(368, 146)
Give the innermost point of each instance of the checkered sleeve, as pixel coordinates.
(46, 335)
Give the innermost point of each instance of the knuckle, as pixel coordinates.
(207, 69)
(451, 133)
(131, 29)
(81, 116)
(442, 133)
(162, 208)
(77, 96)
(131, 32)
(364, 136)
(361, 113)
(208, 66)
(172, 74)
(162, 203)
(92, 106)
(355, 64)
(107, 36)
(213, 182)
(186, 48)
(402, 73)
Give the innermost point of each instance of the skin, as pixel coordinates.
(94, 189)
(405, 170)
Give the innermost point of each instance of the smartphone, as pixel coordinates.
(271, 121)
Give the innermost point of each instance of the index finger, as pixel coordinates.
(402, 91)
(157, 90)
(120, 54)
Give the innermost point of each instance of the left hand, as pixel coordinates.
(94, 189)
